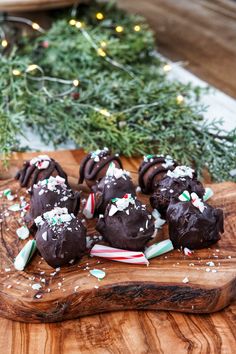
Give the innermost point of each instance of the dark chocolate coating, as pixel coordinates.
(151, 172)
(40, 203)
(92, 171)
(190, 228)
(162, 196)
(109, 188)
(30, 174)
(63, 243)
(123, 231)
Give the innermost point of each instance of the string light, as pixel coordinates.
(72, 22)
(167, 67)
(78, 24)
(4, 43)
(76, 83)
(99, 16)
(16, 72)
(103, 44)
(32, 67)
(101, 52)
(119, 29)
(179, 99)
(105, 112)
(35, 26)
(137, 28)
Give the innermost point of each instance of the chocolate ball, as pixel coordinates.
(152, 169)
(39, 168)
(181, 179)
(50, 193)
(126, 224)
(192, 228)
(61, 237)
(115, 184)
(94, 166)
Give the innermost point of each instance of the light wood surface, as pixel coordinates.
(123, 331)
(33, 5)
(158, 286)
(200, 32)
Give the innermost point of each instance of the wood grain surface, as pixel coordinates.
(158, 286)
(123, 331)
(32, 5)
(200, 32)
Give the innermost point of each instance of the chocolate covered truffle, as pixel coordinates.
(39, 168)
(193, 223)
(52, 192)
(180, 179)
(115, 184)
(94, 166)
(152, 169)
(61, 237)
(126, 224)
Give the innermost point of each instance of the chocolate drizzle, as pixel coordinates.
(191, 228)
(147, 183)
(90, 168)
(30, 174)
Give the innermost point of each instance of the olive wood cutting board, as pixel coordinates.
(72, 292)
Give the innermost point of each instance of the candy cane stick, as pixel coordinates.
(119, 255)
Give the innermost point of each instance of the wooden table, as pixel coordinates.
(178, 24)
(122, 332)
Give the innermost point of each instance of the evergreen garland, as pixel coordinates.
(133, 125)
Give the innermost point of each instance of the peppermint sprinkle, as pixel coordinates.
(23, 232)
(185, 280)
(181, 171)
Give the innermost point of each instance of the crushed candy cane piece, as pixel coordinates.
(157, 249)
(187, 251)
(159, 222)
(23, 232)
(14, 207)
(120, 204)
(98, 273)
(181, 171)
(89, 206)
(36, 286)
(185, 280)
(25, 255)
(208, 194)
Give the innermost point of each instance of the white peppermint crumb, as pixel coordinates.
(49, 290)
(76, 287)
(96, 286)
(9, 286)
(52, 274)
(36, 286)
(41, 273)
(214, 270)
(7, 269)
(38, 296)
(229, 257)
(59, 284)
(58, 269)
(217, 250)
(185, 280)
(208, 270)
(210, 264)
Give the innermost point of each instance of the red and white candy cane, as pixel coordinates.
(89, 206)
(119, 255)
